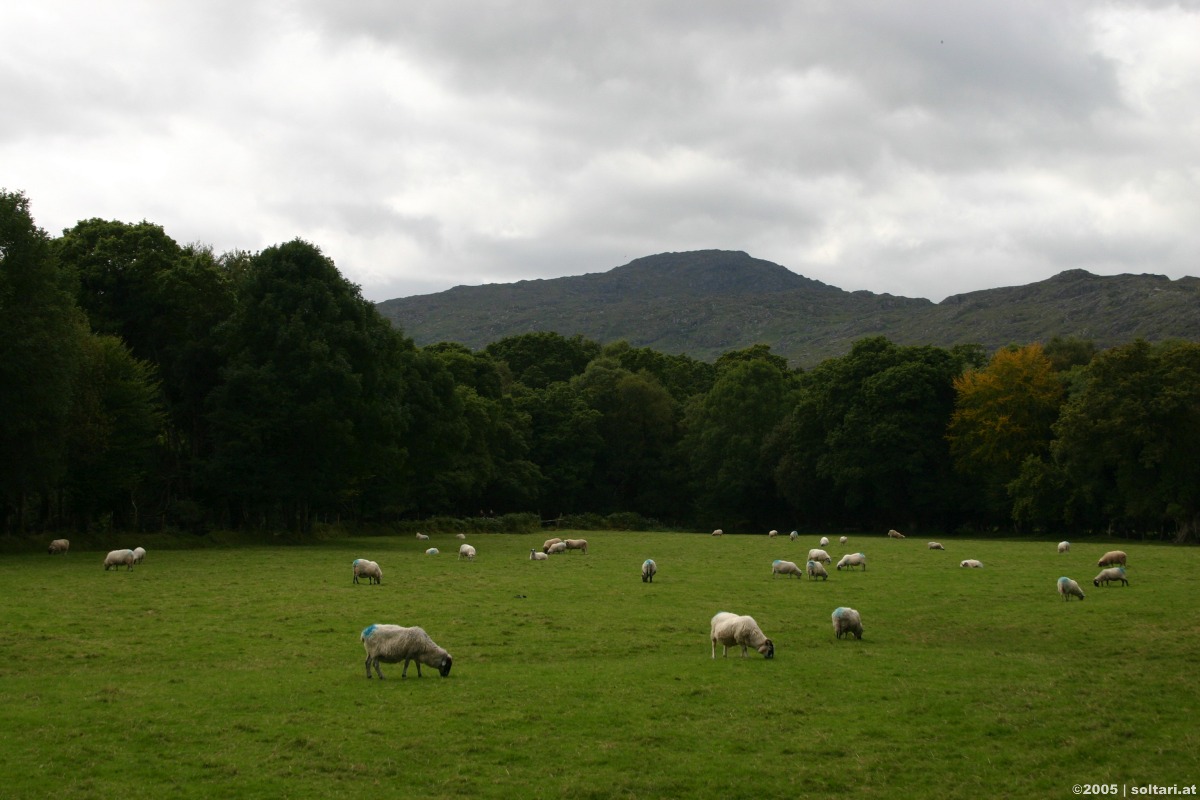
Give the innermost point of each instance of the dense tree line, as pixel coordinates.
(144, 384)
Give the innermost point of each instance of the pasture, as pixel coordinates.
(239, 672)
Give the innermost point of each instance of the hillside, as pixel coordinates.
(705, 303)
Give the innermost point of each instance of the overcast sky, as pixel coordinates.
(922, 149)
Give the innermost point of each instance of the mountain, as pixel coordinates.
(705, 303)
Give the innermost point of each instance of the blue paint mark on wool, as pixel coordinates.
(777, 561)
(367, 631)
(840, 611)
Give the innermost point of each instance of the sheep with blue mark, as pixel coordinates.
(649, 570)
(847, 621)
(851, 560)
(365, 568)
(781, 567)
(817, 570)
(1109, 575)
(391, 644)
(1069, 588)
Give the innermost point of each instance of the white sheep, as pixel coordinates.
(846, 621)
(894, 534)
(780, 567)
(116, 558)
(391, 644)
(851, 560)
(549, 543)
(365, 568)
(422, 537)
(1068, 587)
(557, 547)
(1111, 574)
(460, 536)
(576, 544)
(817, 570)
(433, 551)
(537, 555)
(1112, 558)
(817, 554)
(59, 547)
(1064, 547)
(936, 546)
(649, 570)
(824, 541)
(772, 533)
(718, 532)
(731, 629)
(466, 551)
(844, 539)
(793, 536)
(139, 555)
(971, 563)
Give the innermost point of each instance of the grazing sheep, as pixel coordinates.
(576, 544)
(971, 563)
(731, 629)
(557, 547)
(365, 568)
(391, 644)
(649, 570)
(793, 536)
(718, 532)
(139, 555)
(846, 621)
(116, 558)
(772, 533)
(549, 543)
(851, 560)
(1111, 574)
(433, 551)
(467, 552)
(819, 555)
(895, 535)
(460, 536)
(1064, 547)
(59, 547)
(1112, 558)
(779, 567)
(537, 555)
(936, 546)
(817, 570)
(824, 541)
(844, 539)
(422, 537)
(1068, 587)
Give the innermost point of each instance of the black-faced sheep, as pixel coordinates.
(59, 547)
(116, 558)
(1112, 558)
(391, 644)
(1111, 574)
(780, 567)
(1068, 588)
(731, 630)
(649, 570)
(846, 621)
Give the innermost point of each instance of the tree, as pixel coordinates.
(543, 357)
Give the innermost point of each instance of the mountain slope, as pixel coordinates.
(707, 302)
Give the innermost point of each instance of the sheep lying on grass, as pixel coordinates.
(460, 536)
(116, 558)
(846, 621)
(936, 546)
(1064, 547)
(851, 560)
(59, 547)
(1112, 558)
(1068, 587)
(780, 567)
(466, 551)
(365, 568)
(971, 563)
(1111, 574)
(649, 570)
(391, 644)
(817, 570)
(732, 630)
(537, 555)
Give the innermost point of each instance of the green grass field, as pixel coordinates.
(239, 672)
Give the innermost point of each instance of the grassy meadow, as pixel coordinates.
(238, 672)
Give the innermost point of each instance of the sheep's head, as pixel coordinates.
(444, 665)
(767, 649)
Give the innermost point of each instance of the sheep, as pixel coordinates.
(772, 533)
(558, 547)
(391, 644)
(844, 539)
(851, 560)
(971, 563)
(1068, 587)
(364, 568)
(116, 558)
(576, 544)
(1112, 558)
(779, 567)
(936, 546)
(466, 551)
(1111, 574)
(649, 569)
(1064, 547)
(895, 534)
(422, 537)
(718, 532)
(819, 555)
(846, 621)
(549, 543)
(824, 541)
(59, 547)
(793, 536)
(433, 551)
(139, 555)
(460, 536)
(537, 555)
(817, 570)
(731, 629)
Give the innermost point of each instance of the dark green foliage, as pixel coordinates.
(539, 359)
